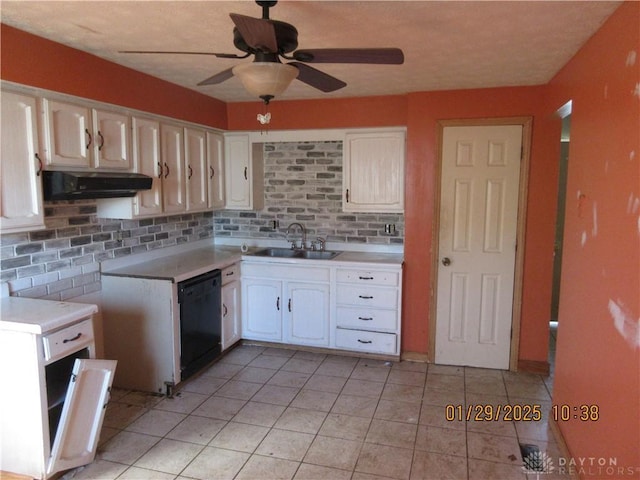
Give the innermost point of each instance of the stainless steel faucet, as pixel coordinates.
(303, 241)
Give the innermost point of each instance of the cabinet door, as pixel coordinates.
(68, 139)
(21, 196)
(230, 314)
(195, 153)
(262, 305)
(111, 145)
(82, 415)
(173, 169)
(215, 170)
(307, 314)
(146, 160)
(374, 172)
(237, 171)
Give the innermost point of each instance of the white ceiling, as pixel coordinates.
(447, 44)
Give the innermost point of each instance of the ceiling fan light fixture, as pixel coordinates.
(265, 79)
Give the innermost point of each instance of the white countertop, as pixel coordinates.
(176, 265)
(180, 266)
(38, 316)
(384, 259)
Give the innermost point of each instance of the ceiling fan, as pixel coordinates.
(269, 40)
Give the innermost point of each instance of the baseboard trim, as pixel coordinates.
(415, 357)
(533, 366)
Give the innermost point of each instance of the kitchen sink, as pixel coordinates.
(289, 253)
(318, 255)
(278, 252)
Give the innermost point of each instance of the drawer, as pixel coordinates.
(367, 296)
(68, 340)
(368, 277)
(368, 319)
(231, 273)
(364, 341)
(286, 272)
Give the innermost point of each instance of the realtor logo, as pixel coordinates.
(537, 462)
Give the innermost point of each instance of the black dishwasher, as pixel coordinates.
(200, 321)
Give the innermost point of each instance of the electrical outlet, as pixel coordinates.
(275, 224)
(390, 228)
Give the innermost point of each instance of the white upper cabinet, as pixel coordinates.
(81, 137)
(373, 171)
(195, 152)
(68, 134)
(244, 172)
(112, 143)
(20, 165)
(174, 177)
(215, 170)
(146, 160)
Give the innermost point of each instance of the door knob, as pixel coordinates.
(446, 261)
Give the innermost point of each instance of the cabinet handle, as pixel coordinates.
(365, 341)
(86, 131)
(213, 172)
(365, 297)
(159, 170)
(39, 165)
(365, 278)
(166, 168)
(67, 340)
(224, 310)
(101, 141)
(366, 319)
(347, 195)
(228, 274)
(278, 303)
(289, 305)
(190, 172)
(245, 173)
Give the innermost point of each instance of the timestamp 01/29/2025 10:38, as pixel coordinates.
(520, 413)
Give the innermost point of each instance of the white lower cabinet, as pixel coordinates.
(308, 314)
(282, 303)
(231, 309)
(52, 421)
(337, 306)
(368, 304)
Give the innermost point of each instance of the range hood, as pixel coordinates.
(81, 185)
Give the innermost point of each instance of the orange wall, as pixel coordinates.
(38, 62)
(420, 113)
(596, 363)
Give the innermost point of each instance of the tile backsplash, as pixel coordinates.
(303, 183)
(63, 261)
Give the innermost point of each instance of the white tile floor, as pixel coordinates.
(267, 413)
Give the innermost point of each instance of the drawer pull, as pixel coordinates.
(67, 340)
(228, 274)
(365, 297)
(365, 341)
(366, 319)
(365, 278)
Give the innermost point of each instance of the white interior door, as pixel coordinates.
(477, 244)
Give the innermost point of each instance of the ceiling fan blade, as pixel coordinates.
(317, 79)
(219, 55)
(381, 56)
(258, 33)
(218, 77)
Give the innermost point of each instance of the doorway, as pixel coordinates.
(478, 268)
(565, 139)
